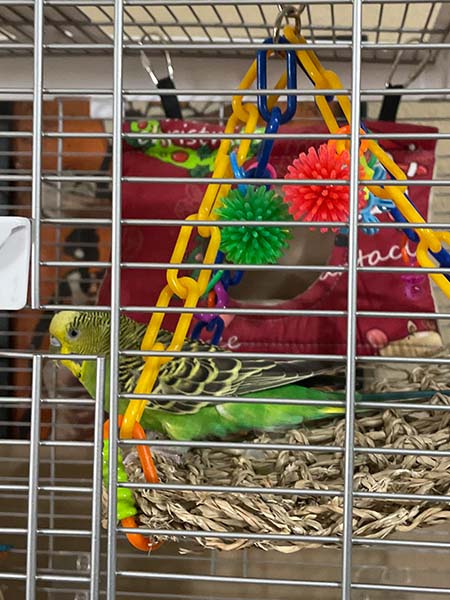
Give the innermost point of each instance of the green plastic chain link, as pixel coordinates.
(125, 499)
(213, 281)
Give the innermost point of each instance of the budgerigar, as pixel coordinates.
(222, 374)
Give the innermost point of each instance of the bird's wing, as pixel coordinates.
(130, 367)
(221, 374)
(224, 375)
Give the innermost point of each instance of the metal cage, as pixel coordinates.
(71, 76)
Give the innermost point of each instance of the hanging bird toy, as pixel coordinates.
(161, 372)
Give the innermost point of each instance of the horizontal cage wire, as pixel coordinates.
(115, 115)
(89, 27)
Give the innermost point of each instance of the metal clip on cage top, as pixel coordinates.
(287, 11)
(415, 73)
(171, 105)
(391, 102)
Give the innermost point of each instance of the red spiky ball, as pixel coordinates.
(321, 202)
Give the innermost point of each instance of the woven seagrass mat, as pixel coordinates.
(319, 471)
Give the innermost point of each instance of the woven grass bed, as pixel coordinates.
(268, 513)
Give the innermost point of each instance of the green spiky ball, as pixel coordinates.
(253, 244)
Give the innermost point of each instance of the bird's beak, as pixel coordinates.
(74, 366)
(55, 348)
(55, 345)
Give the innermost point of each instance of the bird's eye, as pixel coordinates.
(73, 333)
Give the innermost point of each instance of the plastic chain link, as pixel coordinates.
(190, 290)
(125, 498)
(187, 288)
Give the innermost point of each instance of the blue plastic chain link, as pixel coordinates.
(266, 147)
(274, 118)
(291, 69)
(216, 324)
(238, 173)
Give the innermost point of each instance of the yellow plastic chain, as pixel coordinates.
(188, 288)
(430, 241)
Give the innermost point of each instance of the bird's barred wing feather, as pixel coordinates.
(130, 368)
(221, 375)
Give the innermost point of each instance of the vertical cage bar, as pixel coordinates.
(37, 152)
(97, 480)
(351, 303)
(54, 409)
(33, 479)
(115, 295)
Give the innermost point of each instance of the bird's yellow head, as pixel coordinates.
(73, 332)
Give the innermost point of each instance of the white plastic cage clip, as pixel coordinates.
(15, 246)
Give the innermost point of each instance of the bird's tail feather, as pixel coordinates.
(398, 396)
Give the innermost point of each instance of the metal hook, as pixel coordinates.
(287, 12)
(145, 61)
(420, 67)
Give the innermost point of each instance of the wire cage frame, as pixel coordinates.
(52, 486)
(90, 26)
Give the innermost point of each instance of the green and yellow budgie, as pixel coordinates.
(223, 374)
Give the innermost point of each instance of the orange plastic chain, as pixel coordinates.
(137, 540)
